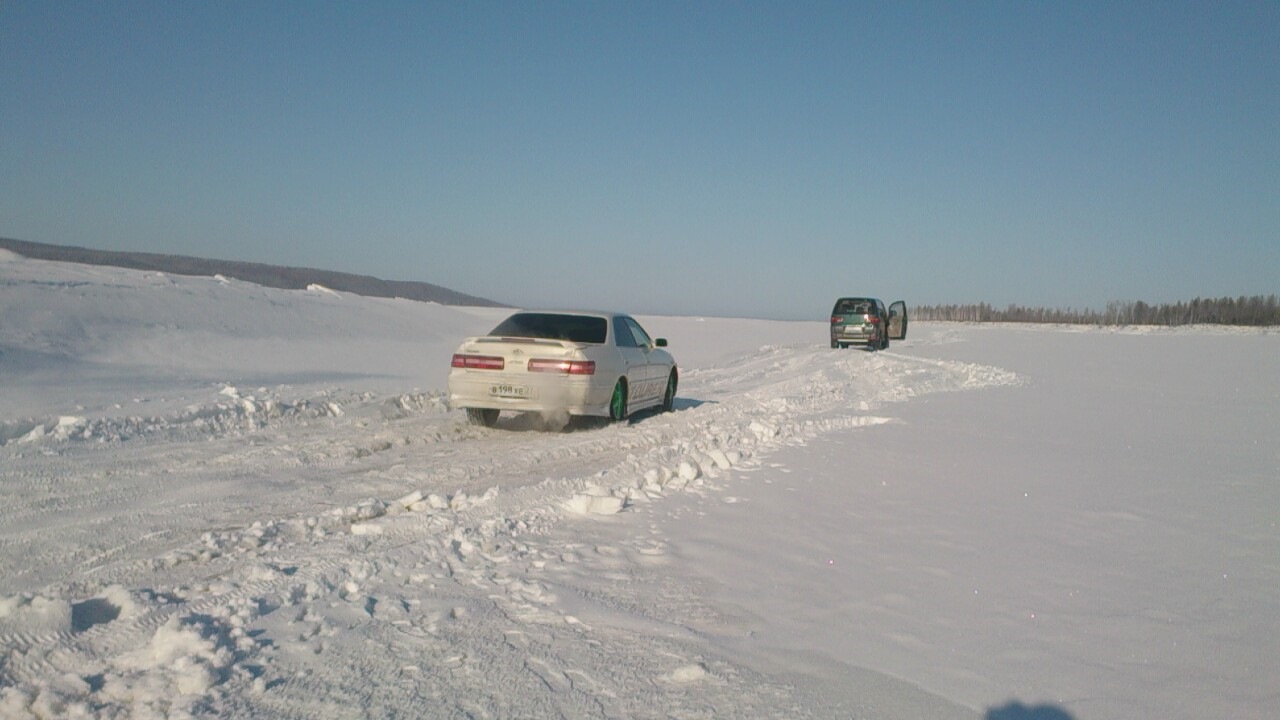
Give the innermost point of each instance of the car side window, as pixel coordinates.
(630, 333)
(642, 337)
(622, 334)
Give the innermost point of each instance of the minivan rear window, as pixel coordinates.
(554, 326)
(859, 306)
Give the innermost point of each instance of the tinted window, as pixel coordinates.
(551, 326)
(857, 306)
(641, 337)
(622, 335)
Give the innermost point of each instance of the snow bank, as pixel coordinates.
(82, 340)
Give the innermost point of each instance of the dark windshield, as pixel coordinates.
(574, 328)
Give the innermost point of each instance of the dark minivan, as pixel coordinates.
(866, 321)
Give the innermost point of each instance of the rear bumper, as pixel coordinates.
(547, 393)
(855, 335)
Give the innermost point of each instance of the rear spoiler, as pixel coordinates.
(528, 341)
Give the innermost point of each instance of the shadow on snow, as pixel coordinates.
(1018, 711)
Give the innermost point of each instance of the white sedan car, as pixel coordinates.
(562, 363)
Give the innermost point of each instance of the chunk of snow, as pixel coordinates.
(35, 434)
(409, 500)
(316, 287)
(688, 674)
(34, 614)
(586, 504)
(180, 654)
(689, 471)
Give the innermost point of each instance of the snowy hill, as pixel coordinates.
(224, 500)
(273, 276)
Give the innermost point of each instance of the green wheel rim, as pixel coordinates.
(616, 402)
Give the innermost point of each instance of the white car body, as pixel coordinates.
(562, 362)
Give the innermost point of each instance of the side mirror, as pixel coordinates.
(660, 342)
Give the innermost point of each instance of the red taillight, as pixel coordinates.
(873, 319)
(568, 367)
(836, 319)
(477, 362)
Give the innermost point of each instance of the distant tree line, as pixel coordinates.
(1254, 310)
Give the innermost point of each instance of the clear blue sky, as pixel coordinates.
(722, 158)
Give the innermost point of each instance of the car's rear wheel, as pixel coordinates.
(669, 399)
(482, 416)
(834, 345)
(618, 402)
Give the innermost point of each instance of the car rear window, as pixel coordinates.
(552, 326)
(860, 306)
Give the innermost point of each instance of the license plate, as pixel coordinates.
(512, 391)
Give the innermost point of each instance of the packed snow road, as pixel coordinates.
(220, 560)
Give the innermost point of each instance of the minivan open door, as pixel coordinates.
(897, 320)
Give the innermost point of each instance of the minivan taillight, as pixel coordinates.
(477, 362)
(568, 367)
(873, 319)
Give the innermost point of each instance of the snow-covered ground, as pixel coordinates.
(223, 500)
